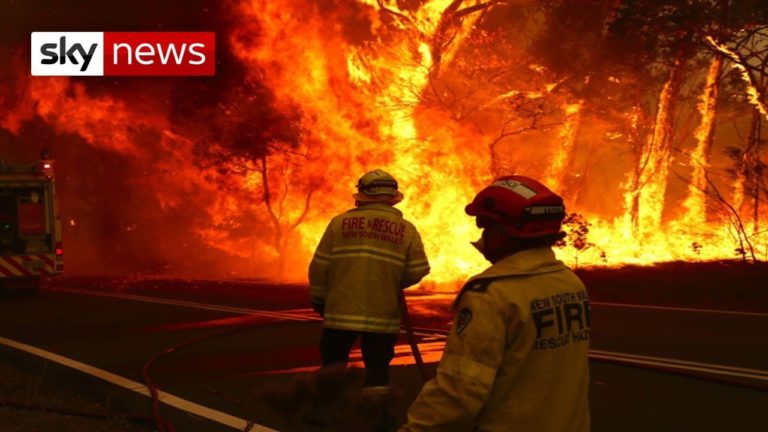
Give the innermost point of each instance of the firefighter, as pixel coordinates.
(516, 357)
(365, 257)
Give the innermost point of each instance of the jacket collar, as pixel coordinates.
(526, 262)
(378, 206)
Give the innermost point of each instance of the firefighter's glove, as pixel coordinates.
(319, 307)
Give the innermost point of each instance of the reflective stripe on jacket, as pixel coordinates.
(516, 357)
(364, 258)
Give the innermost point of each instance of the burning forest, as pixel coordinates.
(645, 115)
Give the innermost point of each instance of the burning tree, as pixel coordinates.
(429, 87)
(747, 52)
(603, 100)
(658, 37)
(256, 151)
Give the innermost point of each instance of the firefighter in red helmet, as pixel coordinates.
(516, 357)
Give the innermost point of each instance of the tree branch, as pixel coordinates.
(757, 99)
(394, 13)
(307, 201)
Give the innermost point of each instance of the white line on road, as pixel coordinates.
(294, 315)
(713, 369)
(435, 334)
(195, 305)
(306, 314)
(679, 309)
(683, 362)
(165, 397)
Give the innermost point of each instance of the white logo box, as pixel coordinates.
(86, 40)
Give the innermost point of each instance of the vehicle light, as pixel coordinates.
(46, 167)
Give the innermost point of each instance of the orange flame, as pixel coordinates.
(695, 202)
(567, 138)
(362, 102)
(363, 111)
(362, 106)
(738, 63)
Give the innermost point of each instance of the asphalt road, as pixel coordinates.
(653, 369)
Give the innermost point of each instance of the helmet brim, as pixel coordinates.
(365, 198)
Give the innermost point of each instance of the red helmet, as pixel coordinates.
(525, 207)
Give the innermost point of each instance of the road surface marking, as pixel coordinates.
(294, 316)
(306, 314)
(195, 305)
(714, 369)
(684, 362)
(717, 369)
(434, 334)
(165, 397)
(679, 309)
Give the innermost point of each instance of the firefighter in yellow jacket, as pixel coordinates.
(365, 257)
(516, 357)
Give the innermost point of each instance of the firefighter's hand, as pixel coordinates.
(319, 308)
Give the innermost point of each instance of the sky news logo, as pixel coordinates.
(123, 53)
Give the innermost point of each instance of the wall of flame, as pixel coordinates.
(366, 85)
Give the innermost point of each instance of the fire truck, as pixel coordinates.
(30, 228)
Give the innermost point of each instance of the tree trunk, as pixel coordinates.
(695, 202)
(745, 168)
(632, 196)
(756, 172)
(282, 249)
(275, 218)
(562, 163)
(650, 184)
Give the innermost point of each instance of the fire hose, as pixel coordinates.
(161, 423)
(165, 426)
(425, 375)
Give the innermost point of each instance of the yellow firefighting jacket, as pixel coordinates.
(516, 357)
(364, 258)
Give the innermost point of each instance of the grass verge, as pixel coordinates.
(28, 403)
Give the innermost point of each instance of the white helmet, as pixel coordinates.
(378, 186)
